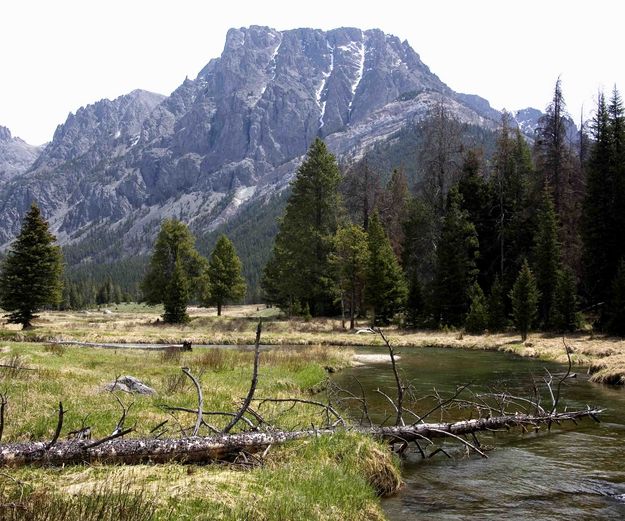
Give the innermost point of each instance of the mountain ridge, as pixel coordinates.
(233, 135)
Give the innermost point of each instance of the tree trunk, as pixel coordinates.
(218, 309)
(222, 447)
(352, 305)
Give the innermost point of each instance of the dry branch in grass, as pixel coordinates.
(225, 447)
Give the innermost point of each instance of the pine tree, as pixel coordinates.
(456, 269)
(477, 318)
(564, 316)
(556, 163)
(598, 219)
(349, 262)
(393, 209)
(421, 229)
(616, 308)
(31, 276)
(299, 270)
(604, 206)
(224, 270)
(516, 192)
(478, 201)
(174, 250)
(496, 307)
(385, 289)
(547, 261)
(415, 303)
(524, 296)
(176, 295)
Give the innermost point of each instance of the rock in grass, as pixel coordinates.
(129, 384)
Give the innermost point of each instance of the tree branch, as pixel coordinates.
(200, 400)
(250, 394)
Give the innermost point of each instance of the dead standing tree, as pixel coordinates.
(495, 412)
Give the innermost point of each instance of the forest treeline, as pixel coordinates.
(531, 234)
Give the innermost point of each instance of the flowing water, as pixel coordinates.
(574, 472)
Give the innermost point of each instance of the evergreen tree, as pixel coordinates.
(385, 289)
(524, 296)
(420, 229)
(616, 309)
(176, 295)
(174, 250)
(299, 270)
(598, 220)
(361, 190)
(31, 275)
(224, 270)
(415, 303)
(477, 318)
(546, 258)
(456, 269)
(496, 307)
(478, 201)
(349, 262)
(557, 165)
(604, 206)
(564, 316)
(394, 209)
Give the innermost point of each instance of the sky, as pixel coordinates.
(56, 56)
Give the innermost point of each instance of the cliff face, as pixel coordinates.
(16, 156)
(235, 133)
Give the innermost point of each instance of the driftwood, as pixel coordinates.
(226, 447)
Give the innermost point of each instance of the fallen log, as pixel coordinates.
(226, 447)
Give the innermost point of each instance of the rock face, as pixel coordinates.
(16, 156)
(235, 133)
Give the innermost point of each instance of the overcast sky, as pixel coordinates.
(57, 55)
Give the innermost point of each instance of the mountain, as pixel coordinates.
(528, 121)
(16, 156)
(228, 139)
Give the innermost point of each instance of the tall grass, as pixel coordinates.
(106, 502)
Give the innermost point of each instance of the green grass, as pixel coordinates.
(334, 478)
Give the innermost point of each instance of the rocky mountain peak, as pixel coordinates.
(99, 128)
(234, 133)
(5, 134)
(16, 156)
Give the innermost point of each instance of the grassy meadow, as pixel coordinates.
(133, 323)
(339, 477)
(329, 478)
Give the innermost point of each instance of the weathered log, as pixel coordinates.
(227, 446)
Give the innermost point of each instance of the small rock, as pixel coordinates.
(129, 384)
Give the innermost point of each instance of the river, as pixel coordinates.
(572, 473)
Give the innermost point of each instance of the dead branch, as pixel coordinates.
(327, 407)
(113, 436)
(208, 413)
(250, 393)
(567, 349)
(461, 440)
(226, 447)
(120, 423)
(59, 426)
(3, 404)
(442, 403)
(200, 400)
(400, 388)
